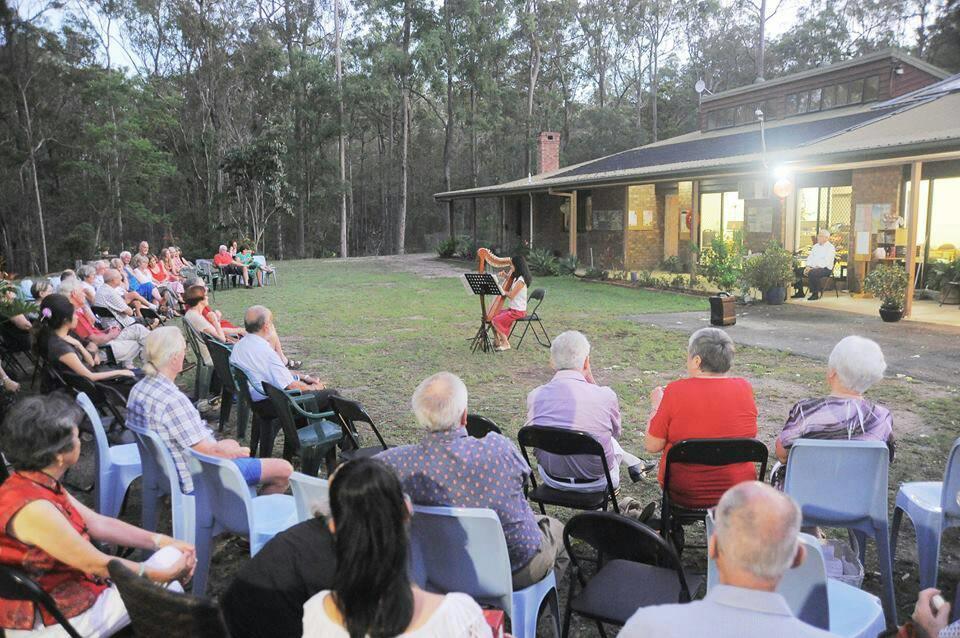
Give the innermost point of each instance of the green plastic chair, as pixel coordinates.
(314, 440)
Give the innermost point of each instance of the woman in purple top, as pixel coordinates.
(855, 364)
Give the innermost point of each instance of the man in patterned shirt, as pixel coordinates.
(156, 403)
(452, 469)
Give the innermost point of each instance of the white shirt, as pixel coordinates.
(822, 256)
(458, 616)
(520, 301)
(260, 363)
(725, 612)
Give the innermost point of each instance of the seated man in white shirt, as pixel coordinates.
(819, 265)
(755, 541)
(255, 355)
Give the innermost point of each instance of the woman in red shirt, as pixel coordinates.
(708, 404)
(46, 532)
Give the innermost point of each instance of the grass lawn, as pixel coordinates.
(375, 327)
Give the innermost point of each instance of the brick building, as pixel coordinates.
(851, 147)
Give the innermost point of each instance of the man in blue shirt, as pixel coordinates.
(452, 469)
(754, 543)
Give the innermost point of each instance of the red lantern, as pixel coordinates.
(782, 187)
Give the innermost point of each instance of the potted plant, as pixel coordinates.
(889, 283)
(770, 272)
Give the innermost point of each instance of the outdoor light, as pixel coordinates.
(782, 187)
(781, 172)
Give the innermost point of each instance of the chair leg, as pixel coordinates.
(882, 537)
(895, 532)
(243, 413)
(204, 547)
(526, 326)
(928, 554)
(553, 599)
(566, 615)
(226, 404)
(148, 506)
(546, 342)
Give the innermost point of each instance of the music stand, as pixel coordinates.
(482, 283)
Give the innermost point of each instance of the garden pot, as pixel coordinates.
(891, 314)
(775, 296)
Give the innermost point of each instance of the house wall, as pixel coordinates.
(606, 245)
(871, 186)
(643, 248)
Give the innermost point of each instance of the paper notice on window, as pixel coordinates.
(632, 221)
(863, 243)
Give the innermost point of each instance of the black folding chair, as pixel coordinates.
(532, 320)
(156, 612)
(566, 442)
(108, 400)
(480, 426)
(314, 438)
(104, 315)
(220, 355)
(635, 568)
(350, 413)
(714, 452)
(16, 585)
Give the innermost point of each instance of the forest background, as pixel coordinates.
(311, 128)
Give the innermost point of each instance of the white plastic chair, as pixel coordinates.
(160, 477)
(844, 484)
(309, 494)
(933, 506)
(117, 466)
(463, 550)
(825, 603)
(261, 261)
(225, 504)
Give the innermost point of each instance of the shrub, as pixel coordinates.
(722, 262)
(678, 281)
(943, 272)
(889, 283)
(447, 248)
(672, 264)
(567, 265)
(773, 268)
(595, 273)
(543, 263)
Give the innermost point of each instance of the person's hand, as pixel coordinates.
(928, 623)
(181, 569)
(656, 396)
(588, 373)
(806, 270)
(183, 546)
(10, 385)
(125, 374)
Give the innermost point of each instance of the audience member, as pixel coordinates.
(67, 274)
(47, 532)
(573, 400)
(100, 266)
(708, 404)
(229, 265)
(451, 468)
(267, 595)
(126, 343)
(63, 352)
(40, 289)
(16, 329)
(234, 250)
(86, 276)
(110, 296)
(754, 542)
(928, 622)
(160, 272)
(372, 593)
(132, 285)
(258, 359)
(855, 364)
(245, 257)
(9, 385)
(143, 249)
(195, 299)
(156, 403)
(231, 331)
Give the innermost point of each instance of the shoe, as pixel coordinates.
(813, 297)
(798, 295)
(639, 471)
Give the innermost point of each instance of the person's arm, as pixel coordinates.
(41, 525)
(515, 290)
(305, 387)
(21, 322)
(781, 451)
(226, 449)
(656, 440)
(72, 361)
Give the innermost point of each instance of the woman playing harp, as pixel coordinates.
(514, 280)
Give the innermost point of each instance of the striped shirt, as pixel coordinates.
(837, 418)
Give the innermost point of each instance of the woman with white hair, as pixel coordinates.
(855, 364)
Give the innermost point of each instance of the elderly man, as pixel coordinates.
(156, 403)
(143, 249)
(573, 400)
(229, 265)
(100, 266)
(256, 356)
(126, 343)
(450, 468)
(754, 542)
(111, 295)
(819, 264)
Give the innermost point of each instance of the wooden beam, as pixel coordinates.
(531, 222)
(573, 223)
(913, 215)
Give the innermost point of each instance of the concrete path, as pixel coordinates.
(921, 351)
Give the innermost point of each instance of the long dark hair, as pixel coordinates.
(55, 310)
(520, 269)
(372, 590)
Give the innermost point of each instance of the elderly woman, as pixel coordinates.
(87, 275)
(163, 277)
(47, 533)
(855, 364)
(708, 404)
(40, 289)
(145, 289)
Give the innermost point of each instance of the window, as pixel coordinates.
(721, 215)
(791, 104)
(744, 114)
(824, 207)
(856, 92)
(732, 214)
(843, 93)
(871, 88)
(803, 103)
(829, 97)
(770, 110)
(814, 100)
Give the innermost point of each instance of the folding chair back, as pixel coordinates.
(532, 320)
(103, 314)
(310, 494)
(156, 612)
(16, 585)
(565, 442)
(480, 426)
(104, 396)
(350, 413)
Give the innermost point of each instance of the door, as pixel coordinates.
(671, 225)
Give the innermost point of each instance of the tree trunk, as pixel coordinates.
(341, 142)
(405, 129)
(760, 38)
(533, 73)
(448, 125)
(654, 90)
(33, 148)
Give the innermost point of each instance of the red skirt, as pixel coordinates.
(505, 318)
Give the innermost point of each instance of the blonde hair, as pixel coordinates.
(160, 346)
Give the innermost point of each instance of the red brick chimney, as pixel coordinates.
(548, 143)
